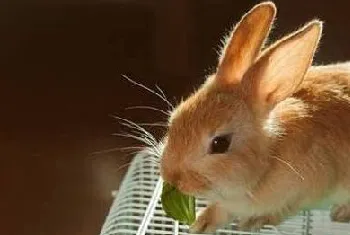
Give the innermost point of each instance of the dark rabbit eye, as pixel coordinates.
(220, 144)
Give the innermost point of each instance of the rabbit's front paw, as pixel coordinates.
(205, 223)
(210, 219)
(341, 213)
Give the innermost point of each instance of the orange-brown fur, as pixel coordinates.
(290, 144)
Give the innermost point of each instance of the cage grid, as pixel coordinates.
(137, 210)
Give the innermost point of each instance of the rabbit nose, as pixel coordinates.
(170, 173)
(172, 178)
(175, 179)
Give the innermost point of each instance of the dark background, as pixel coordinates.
(60, 67)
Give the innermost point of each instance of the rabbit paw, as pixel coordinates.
(257, 222)
(203, 224)
(210, 219)
(341, 213)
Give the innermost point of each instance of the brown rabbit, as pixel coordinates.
(267, 134)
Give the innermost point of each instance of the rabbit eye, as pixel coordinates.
(220, 144)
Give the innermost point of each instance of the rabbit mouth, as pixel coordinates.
(193, 185)
(192, 188)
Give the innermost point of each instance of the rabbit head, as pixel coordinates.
(219, 139)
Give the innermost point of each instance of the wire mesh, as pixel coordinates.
(137, 210)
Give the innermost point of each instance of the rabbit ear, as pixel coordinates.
(245, 42)
(281, 68)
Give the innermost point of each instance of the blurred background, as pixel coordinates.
(61, 63)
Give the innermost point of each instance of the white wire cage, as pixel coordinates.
(137, 210)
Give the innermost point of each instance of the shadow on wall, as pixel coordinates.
(60, 81)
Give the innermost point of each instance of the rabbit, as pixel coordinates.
(267, 134)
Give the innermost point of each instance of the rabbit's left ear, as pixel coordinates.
(245, 43)
(280, 70)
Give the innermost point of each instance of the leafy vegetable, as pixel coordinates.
(177, 205)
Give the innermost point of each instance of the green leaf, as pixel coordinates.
(177, 205)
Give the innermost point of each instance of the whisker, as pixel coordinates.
(131, 154)
(290, 166)
(158, 149)
(116, 149)
(132, 148)
(122, 166)
(161, 91)
(148, 139)
(153, 152)
(142, 140)
(134, 126)
(147, 157)
(161, 124)
(131, 124)
(149, 108)
(144, 133)
(140, 134)
(164, 96)
(149, 90)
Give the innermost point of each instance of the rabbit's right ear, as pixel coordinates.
(245, 43)
(278, 73)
